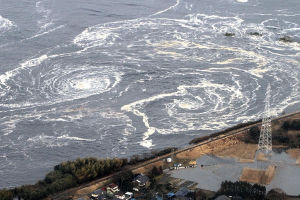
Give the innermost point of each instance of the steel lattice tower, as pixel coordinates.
(265, 138)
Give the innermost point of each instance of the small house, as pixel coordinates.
(94, 196)
(120, 196)
(128, 195)
(112, 188)
(141, 180)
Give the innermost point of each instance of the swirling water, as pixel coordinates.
(114, 78)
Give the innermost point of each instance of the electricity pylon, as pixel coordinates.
(265, 138)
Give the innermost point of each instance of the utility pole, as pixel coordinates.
(265, 138)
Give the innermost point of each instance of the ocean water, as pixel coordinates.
(116, 78)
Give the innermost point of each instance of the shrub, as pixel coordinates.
(6, 194)
(291, 125)
(242, 189)
(253, 135)
(156, 171)
(66, 175)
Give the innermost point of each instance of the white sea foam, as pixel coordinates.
(46, 32)
(67, 137)
(183, 76)
(8, 126)
(92, 34)
(202, 100)
(55, 141)
(82, 82)
(187, 41)
(167, 9)
(45, 21)
(172, 109)
(146, 142)
(28, 63)
(60, 83)
(5, 24)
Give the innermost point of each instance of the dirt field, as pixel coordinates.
(295, 153)
(243, 152)
(261, 157)
(252, 175)
(209, 148)
(258, 176)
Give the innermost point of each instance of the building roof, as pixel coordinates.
(141, 178)
(170, 194)
(120, 196)
(112, 185)
(182, 192)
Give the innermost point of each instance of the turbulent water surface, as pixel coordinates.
(115, 78)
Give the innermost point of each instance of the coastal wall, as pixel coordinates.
(147, 169)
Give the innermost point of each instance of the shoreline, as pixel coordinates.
(214, 143)
(221, 135)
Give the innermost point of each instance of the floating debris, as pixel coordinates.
(286, 39)
(229, 34)
(255, 33)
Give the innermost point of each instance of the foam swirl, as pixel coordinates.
(203, 102)
(53, 81)
(5, 24)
